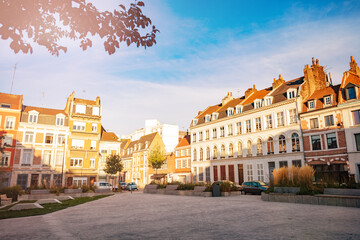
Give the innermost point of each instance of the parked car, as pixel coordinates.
(131, 186)
(103, 185)
(123, 185)
(254, 187)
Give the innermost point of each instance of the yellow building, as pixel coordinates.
(85, 132)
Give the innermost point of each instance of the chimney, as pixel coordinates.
(314, 79)
(354, 67)
(227, 99)
(278, 82)
(250, 91)
(98, 100)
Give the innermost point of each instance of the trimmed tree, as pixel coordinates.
(113, 166)
(156, 158)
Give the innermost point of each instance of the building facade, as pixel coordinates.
(182, 171)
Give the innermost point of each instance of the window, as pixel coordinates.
(194, 137)
(222, 131)
(331, 140)
(60, 121)
(76, 162)
(327, 100)
(26, 157)
(296, 163)
(200, 136)
(93, 145)
(201, 174)
(194, 174)
(195, 122)
(248, 126)
(59, 158)
(92, 162)
(267, 101)
(188, 152)
(94, 127)
(311, 104)
(103, 154)
(269, 121)
(230, 130)
(77, 143)
(7, 140)
(80, 109)
(249, 172)
(5, 105)
(207, 174)
(357, 141)
(214, 133)
(350, 93)
(230, 112)
(33, 118)
(222, 152)
(215, 152)
(194, 155)
(260, 171)
(189, 163)
(10, 123)
(29, 137)
(356, 117)
(183, 163)
(238, 109)
(295, 142)
(291, 94)
(207, 118)
(282, 144)
(177, 154)
(46, 157)
(79, 181)
(280, 119)
(329, 121)
(258, 123)
(4, 160)
(207, 134)
(61, 139)
(207, 153)
(214, 116)
(238, 128)
(79, 126)
(257, 104)
(316, 142)
(293, 116)
(283, 164)
(178, 164)
(96, 111)
(49, 138)
(201, 154)
(240, 151)
(182, 152)
(22, 180)
(249, 148)
(231, 150)
(270, 145)
(314, 123)
(259, 147)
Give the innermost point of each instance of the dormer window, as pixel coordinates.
(311, 104)
(257, 103)
(238, 109)
(230, 112)
(146, 144)
(215, 116)
(5, 105)
(327, 101)
(195, 121)
(96, 111)
(267, 101)
(207, 118)
(291, 93)
(60, 120)
(33, 117)
(80, 109)
(350, 93)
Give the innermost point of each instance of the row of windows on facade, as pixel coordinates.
(22, 179)
(33, 118)
(182, 153)
(29, 137)
(295, 147)
(82, 109)
(46, 159)
(331, 141)
(329, 122)
(136, 148)
(81, 126)
(327, 100)
(250, 126)
(183, 163)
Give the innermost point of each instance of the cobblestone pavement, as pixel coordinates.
(148, 216)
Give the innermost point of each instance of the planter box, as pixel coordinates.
(39, 191)
(264, 196)
(73, 190)
(102, 190)
(342, 191)
(225, 194)
(292, 190)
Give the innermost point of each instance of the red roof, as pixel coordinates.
(15, 101)
(47, 111)
(109, 136)
(185, 141)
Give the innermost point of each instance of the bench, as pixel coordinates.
(5, 200)
(39, 191)
(150, 188)
(199, 188)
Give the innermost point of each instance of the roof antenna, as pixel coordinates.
(12, 81)
(43, 98)
(238, 91)
(330, 79)
(83, 91)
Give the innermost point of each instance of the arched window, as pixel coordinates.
(215, 152)
(201, 154)
(194, 154)
(249, 148)
(207, 153)
(231, 150)
(270, 145)
(240, 150)
(259, 147)
(282, 144)
(295, 142)
(222, 153)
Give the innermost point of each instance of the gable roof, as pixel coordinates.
(331, 90)
(109, 136)
(46, 111)
(185, 141)
(279, 94)
(14, 100)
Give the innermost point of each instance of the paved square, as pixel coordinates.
(147, 216)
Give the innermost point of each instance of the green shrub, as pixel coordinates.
(12, 192)
(208, 186)
(85, 188)
(57, 190)
(161, 186)
(225, 186)
(93, 188)
(186, 186)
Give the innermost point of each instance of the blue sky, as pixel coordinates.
(205, 49)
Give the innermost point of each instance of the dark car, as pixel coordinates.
(122, 185)
(254, 187)
(131, 186)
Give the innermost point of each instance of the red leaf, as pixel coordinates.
(141, 4)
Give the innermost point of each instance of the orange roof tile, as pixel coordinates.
(14, 100)
(352, 78)
(185, 141)
(256, 95)
(332, 90)
(47, 111)
(109, 136)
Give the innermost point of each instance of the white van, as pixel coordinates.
(103, 185)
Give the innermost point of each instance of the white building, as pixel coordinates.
(169, 133)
